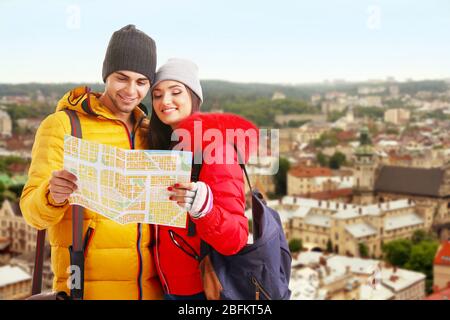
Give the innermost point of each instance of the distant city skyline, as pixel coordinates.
(287, 42)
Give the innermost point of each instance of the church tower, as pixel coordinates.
(364, 165)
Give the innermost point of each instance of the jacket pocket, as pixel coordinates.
(260, 290)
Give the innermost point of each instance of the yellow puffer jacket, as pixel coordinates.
(119, 264)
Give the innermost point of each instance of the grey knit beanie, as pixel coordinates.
(130, 49)
(181, 70)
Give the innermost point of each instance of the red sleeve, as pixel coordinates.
(225, 227)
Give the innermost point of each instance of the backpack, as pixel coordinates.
(261, 270)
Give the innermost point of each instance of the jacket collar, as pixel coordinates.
(84, 101)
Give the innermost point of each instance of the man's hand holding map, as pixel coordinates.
(127, 186)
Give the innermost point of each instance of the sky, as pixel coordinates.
(288, 42)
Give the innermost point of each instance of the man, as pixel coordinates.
(118, 262)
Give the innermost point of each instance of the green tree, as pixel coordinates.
(421, 235)
(422, 256)
(421, 260)
(327, 139)
(363, 250)
(16, 189)
(369, 112)
(322, 159)
(337, 160)
(296, 124)
(5, 162)
(397, 252)
(335, 115)
(392, 130)
(295, 245)
(2, 192)
(281, 177)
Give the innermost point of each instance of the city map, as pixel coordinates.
(127, 186)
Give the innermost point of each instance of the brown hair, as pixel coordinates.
(160, 133)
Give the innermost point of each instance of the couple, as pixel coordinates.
(136, 261)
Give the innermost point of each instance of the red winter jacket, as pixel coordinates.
(225, 227)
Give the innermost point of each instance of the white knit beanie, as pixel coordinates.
(181, 70)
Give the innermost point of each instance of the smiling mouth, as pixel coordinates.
(168, 110)
(126, 100)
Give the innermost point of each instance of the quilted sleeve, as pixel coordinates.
(36, 204)
(225, 227)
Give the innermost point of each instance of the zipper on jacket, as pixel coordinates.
(139, 228)
(164, 282)
(260, 289)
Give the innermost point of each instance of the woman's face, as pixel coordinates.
(171, 102)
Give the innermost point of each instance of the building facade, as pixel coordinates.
(15, 283)
(346, 228)
(22, 237)
(5, 124)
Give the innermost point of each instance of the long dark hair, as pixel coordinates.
(160, 133)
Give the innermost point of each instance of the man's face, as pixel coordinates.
(124, 90)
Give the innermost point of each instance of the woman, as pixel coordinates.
(216, 203)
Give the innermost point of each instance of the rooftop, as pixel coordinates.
(305, 281)
(400, 279)
(406, 220)
(309, 172)
(361, 230)
(307, 258)
(10, 275)
(378, 292)
(357, 265)
(304, 285)
(373, 209)
(405, 180)
(318, 220)
(443, 254)
(331, 194)
(441, 295)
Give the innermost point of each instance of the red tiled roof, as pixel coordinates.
(18, 168)
(394, 156)
(400, 158)
(443, 254)
(310, 172)
(346, 135)
(441, 295)
(14, 143)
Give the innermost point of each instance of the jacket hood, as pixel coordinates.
(84, 101)
(220, 129)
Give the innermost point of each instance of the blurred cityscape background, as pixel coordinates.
(360, 94)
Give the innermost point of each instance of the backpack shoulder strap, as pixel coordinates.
(195, 174)
(197, 167)
(36, 286)
(76, 258)
(76, 250)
